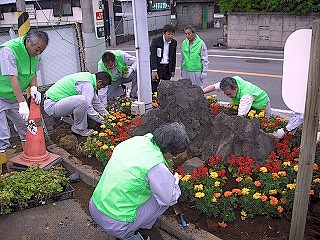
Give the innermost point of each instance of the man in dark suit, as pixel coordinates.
(163, 57)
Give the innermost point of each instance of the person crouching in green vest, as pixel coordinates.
(19, 62)
(76, 94)
(137, 187)
(194, 57)
(121, 67)
(244, 94)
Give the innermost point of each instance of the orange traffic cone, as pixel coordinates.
(35, 148)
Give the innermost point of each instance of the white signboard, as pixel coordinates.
(296, 69)
(98, 18)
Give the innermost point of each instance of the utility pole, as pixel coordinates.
(111, 24)
(94, 47)
(142, 52)
(23, 18)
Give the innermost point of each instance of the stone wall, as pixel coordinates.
(264, 30)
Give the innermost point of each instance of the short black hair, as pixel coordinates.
(108, 56)
(105, 77)
(228, 83)
(171, 138)
(169, 28)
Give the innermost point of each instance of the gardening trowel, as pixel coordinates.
(177, 210)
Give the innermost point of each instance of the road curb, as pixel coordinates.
(91, 177)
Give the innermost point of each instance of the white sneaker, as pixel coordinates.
(83, 133)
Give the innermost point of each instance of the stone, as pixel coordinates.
(209, 134)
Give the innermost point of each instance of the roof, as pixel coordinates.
(11, 1)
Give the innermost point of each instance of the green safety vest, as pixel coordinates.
(65, 87)
(120, 64)
(122, 188)
(192, 56)
(244, 88)
(26, 66)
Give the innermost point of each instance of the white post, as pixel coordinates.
(142, 52)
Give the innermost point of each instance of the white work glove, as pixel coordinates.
(203, 75)
(318, 137)
(35, 94)
(176, 176)
(130, 70)
(24, 110)
(279, 133)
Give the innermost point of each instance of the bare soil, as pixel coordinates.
(250, 229)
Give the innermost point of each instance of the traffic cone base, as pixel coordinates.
(34, 151)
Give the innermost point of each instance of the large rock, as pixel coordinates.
(209, 134)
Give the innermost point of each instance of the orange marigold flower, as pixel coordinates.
(227, 193)
(311, 192)
(283, 201)
(257, 183)
(315, 167)
(275, 176)
(237, 191)
(217, 195)
(248, 178)
(263, 198)
(222, 224)
(282, 173)
(273, 201)
(280, 209)
(99, 144)
(239, 179)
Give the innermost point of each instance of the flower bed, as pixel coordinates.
(218, 191)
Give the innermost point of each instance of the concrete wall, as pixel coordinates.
(264, 30)
(191, 13)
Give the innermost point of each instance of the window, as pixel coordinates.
(62, 8)
(158, 5)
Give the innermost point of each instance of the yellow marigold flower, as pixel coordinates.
(198, 187)
(243, 215)
(213, 199)
(102, 134)
(216, 183)
(199, 195)
(111, 147)
(208, 97)
(245, 191)
(103, 126)
(113, 124)
(261, 114)
(273, 191)
(104, 147)
(263, 169)
(317, 180)
(95, 133)
(214, 174)
(239, 179)
(214, 95)
(282, 173)
(123, 104)
(291, 186)
(257, 195)
(287, 163)
(295, 167)
(128, 104)
(186, 178)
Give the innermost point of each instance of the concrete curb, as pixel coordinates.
(91, 177)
